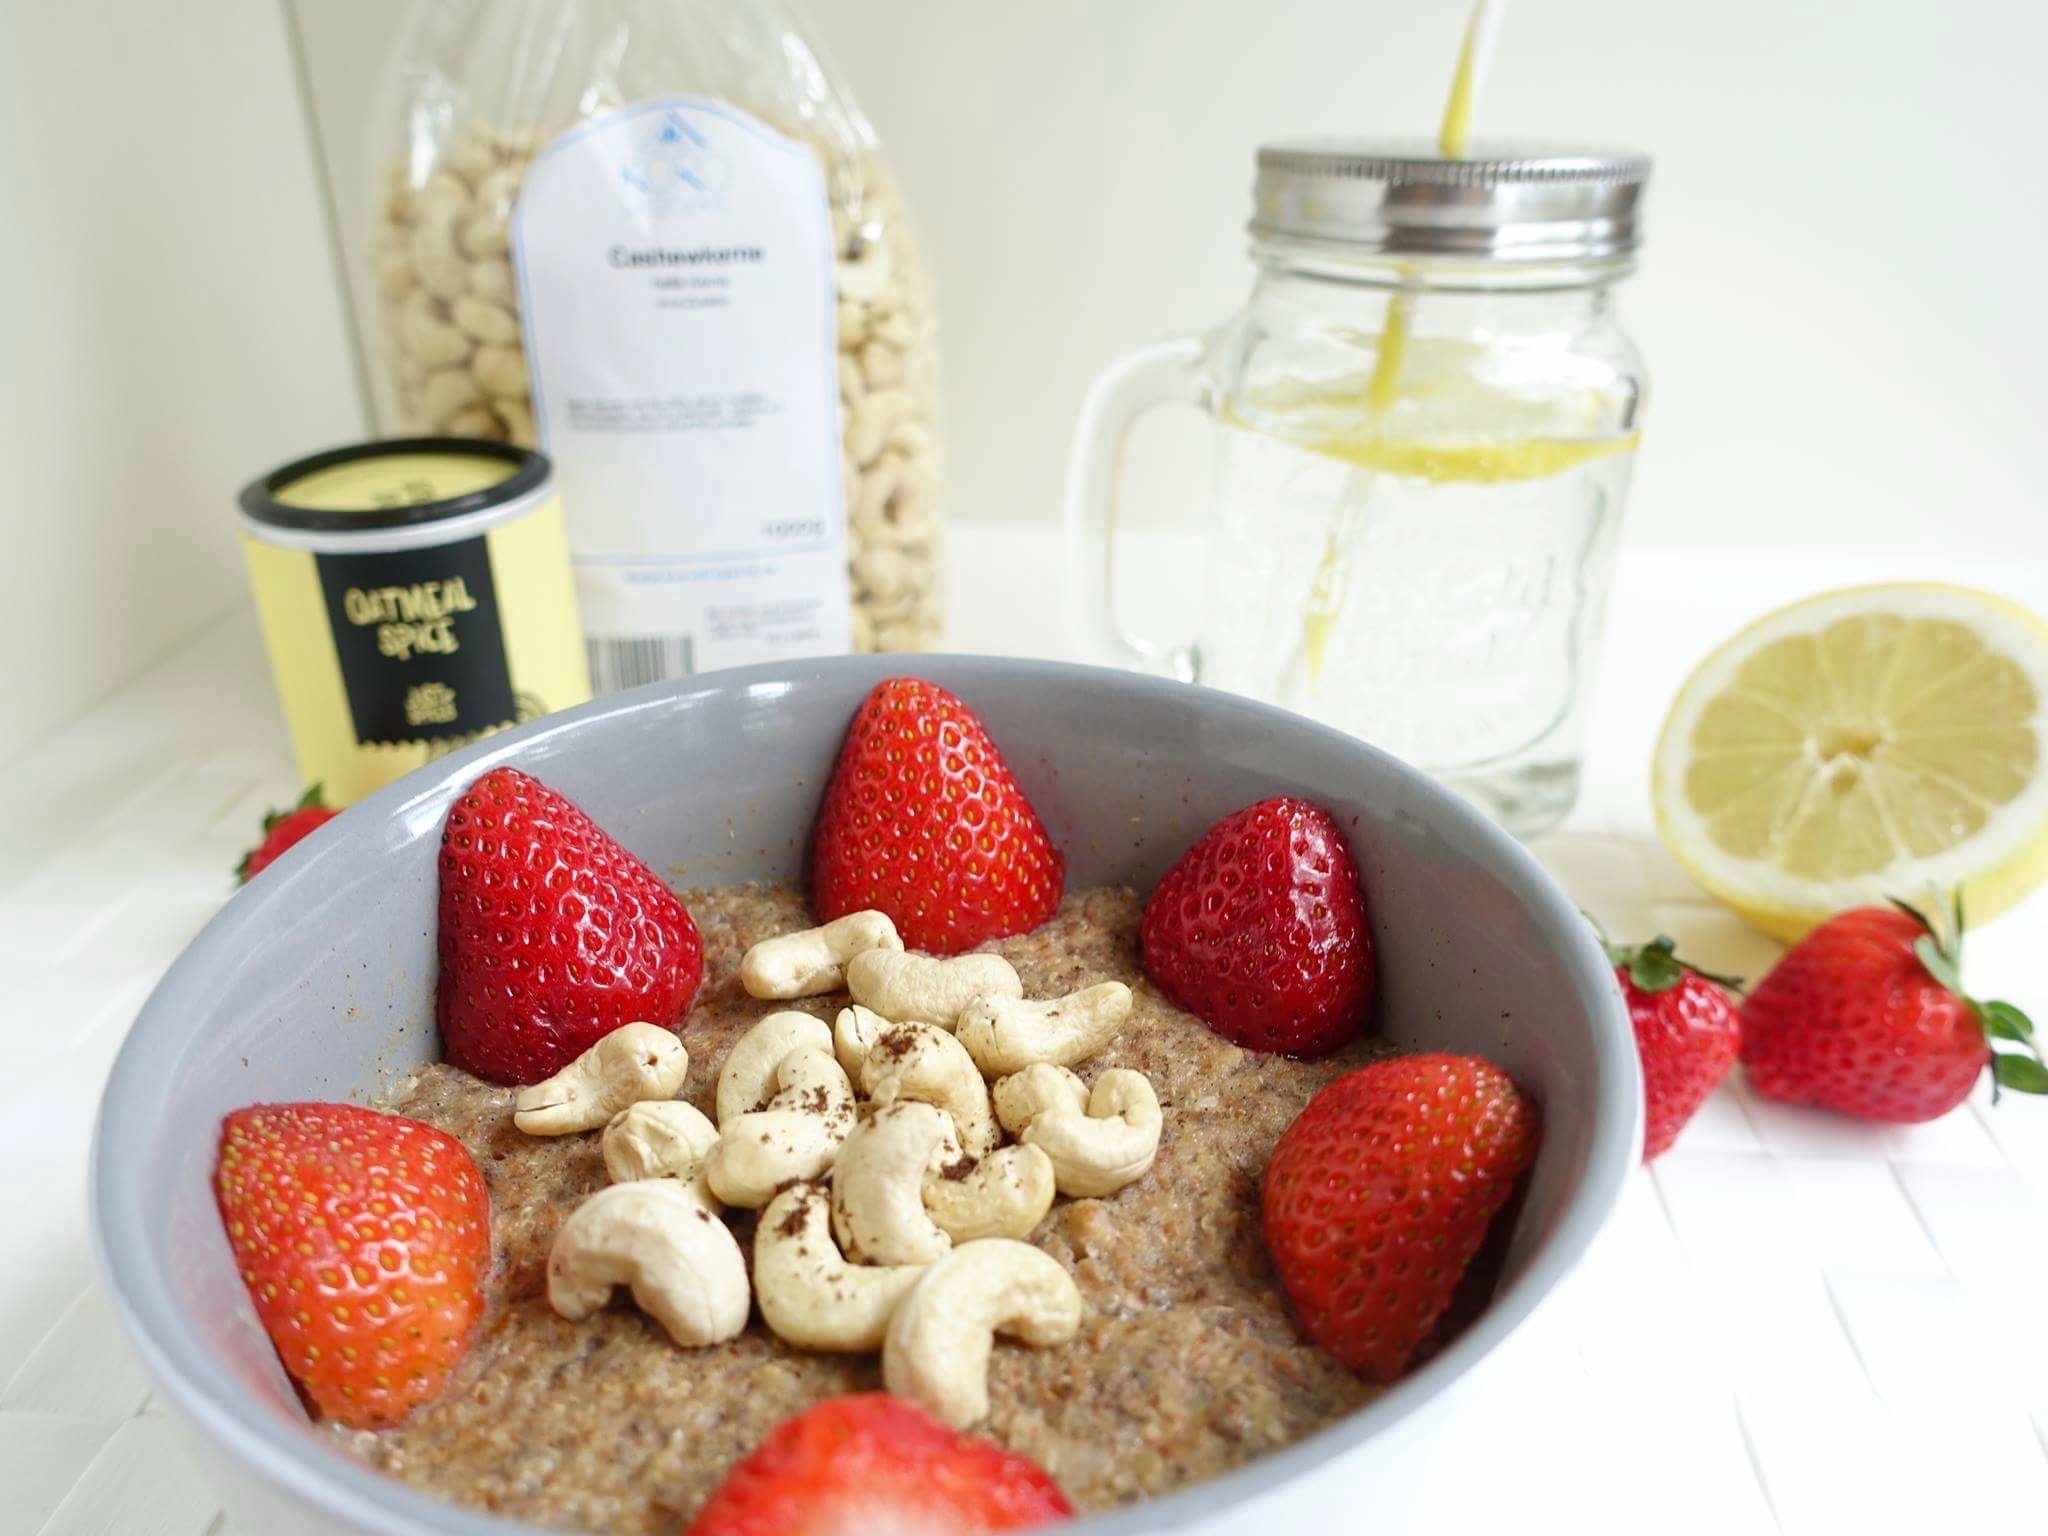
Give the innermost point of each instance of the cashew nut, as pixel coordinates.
(427, 338)
(493, 280)
(937, 1349)
(853, 1035)
(902, 987)
(484, 237)
(1023, 1096)
(744, 1081)
(923, 1062)
(633, 1062)
(882, 571)
(1096, 1148)
(447, 393)
(1006, 1194)
(807, 963)
(661, 1139)
(487, 322)
(475, 422)
(518, 418)
(796, 1137)
(878, 1210)
(1007, 1034)
(881, 365)
(684, 1268)
(809, 1294)
(869, 423)
(443, 270)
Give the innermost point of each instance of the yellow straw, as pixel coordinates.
(1455, 136)
(1326, 591)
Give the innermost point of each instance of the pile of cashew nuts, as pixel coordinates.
(453, 338)
(892, 1214)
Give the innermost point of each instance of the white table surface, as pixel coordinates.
(1796, 1324)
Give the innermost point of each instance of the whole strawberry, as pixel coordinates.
(1260, 931)
(1867, 1015)
(364, 1240)
(552, 935)
(872, 1463)
(283, 829)
(923, 820)
(1380, 1193)
(1687, 1034)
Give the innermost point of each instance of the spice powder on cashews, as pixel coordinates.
(1187, 1363)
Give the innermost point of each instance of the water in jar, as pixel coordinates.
(1426, 567)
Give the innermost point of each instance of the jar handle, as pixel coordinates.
(1165, 373)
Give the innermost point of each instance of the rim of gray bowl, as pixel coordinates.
(256, 1440)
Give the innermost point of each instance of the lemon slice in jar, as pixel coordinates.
(1876, 742)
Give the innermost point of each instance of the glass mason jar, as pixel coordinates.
(1427, 415)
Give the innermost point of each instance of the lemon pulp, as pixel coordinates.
(1884, 741)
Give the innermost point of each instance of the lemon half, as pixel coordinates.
(1863, 744)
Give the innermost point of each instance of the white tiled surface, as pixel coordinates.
(1795, 1324)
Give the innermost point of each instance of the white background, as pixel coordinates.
(1841, 299)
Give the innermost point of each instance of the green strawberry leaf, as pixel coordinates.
(1654, 967)
(2022, 1074)
(1913, 912)
(1939, 962)
(2005, 1022)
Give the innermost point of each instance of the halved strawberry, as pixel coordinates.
(875, 1465)
(1260, 931)
(552, 935)
(924, 821)
(1380, 1194)
(364, 1239)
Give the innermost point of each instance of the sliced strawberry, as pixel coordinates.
(552, 935)
(875, 1465)
(1380, 1193)
(284, 829)
(1260, 931)
(364, 1240)
(923, 820)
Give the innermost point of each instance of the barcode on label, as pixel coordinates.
(628, 661)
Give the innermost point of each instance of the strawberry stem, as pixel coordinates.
(1655, 966)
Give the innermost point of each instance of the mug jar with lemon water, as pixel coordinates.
(1427, 415)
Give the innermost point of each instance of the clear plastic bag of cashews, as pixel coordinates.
(656, 239)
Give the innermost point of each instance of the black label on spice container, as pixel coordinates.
(421, 645)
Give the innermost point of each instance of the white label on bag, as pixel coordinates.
(675, 275)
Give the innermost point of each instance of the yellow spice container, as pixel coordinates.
(415, 594)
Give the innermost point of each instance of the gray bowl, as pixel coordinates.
(317, 983)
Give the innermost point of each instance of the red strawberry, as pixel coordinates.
(1380, 1193)
(364, 1240)
(281, 829)
(872, 1463)
(1867, 1015)
(552, 935)
(1260, 931)
(922, 820)
(1686, 1034)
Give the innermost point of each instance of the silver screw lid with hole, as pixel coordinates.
(1503, 202)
